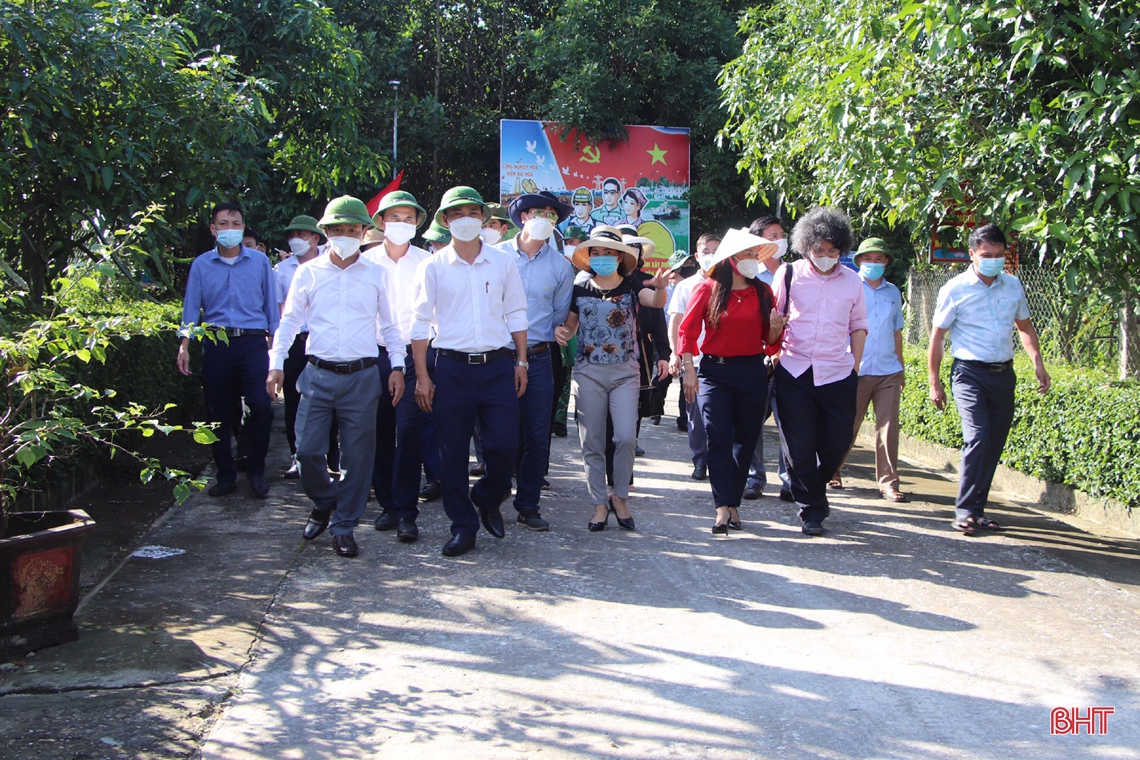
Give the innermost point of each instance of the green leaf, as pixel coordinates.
(90, 283)
(205, 436)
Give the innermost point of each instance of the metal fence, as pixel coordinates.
(1078, 328)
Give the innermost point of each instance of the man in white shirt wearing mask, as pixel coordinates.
(345, 301)
(678, 302)
(495, 231)
(472, 295)
(399, 453)
(769, 228)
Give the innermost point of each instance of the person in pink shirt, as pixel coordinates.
(816, 380)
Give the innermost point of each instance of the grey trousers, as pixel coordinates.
(600, 389)
(353, 399)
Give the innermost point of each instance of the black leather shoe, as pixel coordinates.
(753, 491)
(386, 521)
(460, 544)
(407, 530)
(318, 521)
(813, 528)
(492, 518)
(626, 523)
(655, 419)
(638, 451)
(222, 489)
(701, 472)
(559, 429)
(259, 485)
(430, 491)
(720, 529)
(786, 495)
(345, 546)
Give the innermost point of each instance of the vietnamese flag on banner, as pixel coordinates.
(374, 204)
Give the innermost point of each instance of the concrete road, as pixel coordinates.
(891, 636)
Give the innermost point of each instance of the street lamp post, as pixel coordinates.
(395, 120)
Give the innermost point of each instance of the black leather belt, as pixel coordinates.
(538, 349)
(342, 368)
(994, 367)
(483, 358)
(723, 359)
(237, 332)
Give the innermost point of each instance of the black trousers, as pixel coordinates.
(817, 426)
(985, 403)
(732, 393)
(244, 363)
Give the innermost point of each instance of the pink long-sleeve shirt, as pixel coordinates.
(824, 311)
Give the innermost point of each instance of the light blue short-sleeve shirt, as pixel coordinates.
(884, 318)
(980, 318)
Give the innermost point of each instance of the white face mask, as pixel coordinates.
(704, 260)
(825, 263)
(781, 249)
(344, 246)
(399, 232)
(747, 268)
(490, 235)
(299, 246)
(539, 228)
(465, 228)
(568, 251)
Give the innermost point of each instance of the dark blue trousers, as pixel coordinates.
(465, 393)
(534, 432)
(985, 402)
(384, 465)
(816, 429)
(243, 362)
(411, 426)
(732, 393)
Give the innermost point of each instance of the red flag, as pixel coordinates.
(374, 204)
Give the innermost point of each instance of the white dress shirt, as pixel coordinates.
(285, 271)
(980, 318)
(474, 307)
(344, 307)
(401, 286)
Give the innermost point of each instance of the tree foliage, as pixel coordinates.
(1026, 112)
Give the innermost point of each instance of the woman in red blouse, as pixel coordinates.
(733, 316)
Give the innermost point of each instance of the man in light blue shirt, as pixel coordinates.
(548, 279)
(235, 288)
(881, 376)
(979, 310)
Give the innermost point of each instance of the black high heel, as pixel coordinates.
(598, 527)
(721, 528)
(625, 523)
(734, 524)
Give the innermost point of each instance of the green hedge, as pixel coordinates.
(1084, 433)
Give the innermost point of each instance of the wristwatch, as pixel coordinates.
(521, 363)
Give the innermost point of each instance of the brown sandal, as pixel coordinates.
(895, 495)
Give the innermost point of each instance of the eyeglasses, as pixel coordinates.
(609, 192)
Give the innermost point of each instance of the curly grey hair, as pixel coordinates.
(820, 224)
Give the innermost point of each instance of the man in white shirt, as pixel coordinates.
(678, 302)
(472, 295)
(399, 453)
(345, 301)
(304, 239)
(979, 309)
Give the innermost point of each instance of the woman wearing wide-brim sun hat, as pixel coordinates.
(603, 312)
(737, 313)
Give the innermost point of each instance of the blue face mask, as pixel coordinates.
(230, 238)
(872, 271)
(990, 267)
(604, 266)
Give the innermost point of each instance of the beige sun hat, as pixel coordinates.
(737, 240)
(604, 236)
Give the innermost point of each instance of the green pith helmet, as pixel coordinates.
(873, 245)
(400, 198)
(678, 260)
(461, 196)
(499, 213)
(582, 195)
(346, 210)
(574, 232)
(304, 224)
(437, 233)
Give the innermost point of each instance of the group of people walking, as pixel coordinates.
(393, 357)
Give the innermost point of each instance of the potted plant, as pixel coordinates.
(49, 415)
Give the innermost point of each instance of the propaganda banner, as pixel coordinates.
(643, 182)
